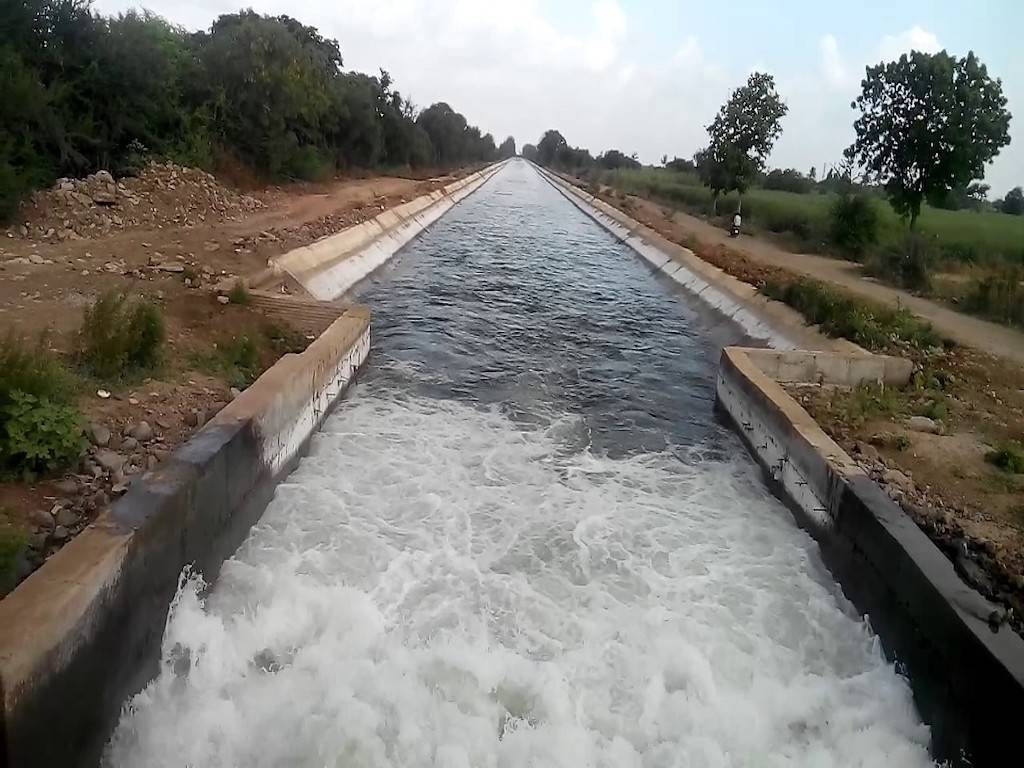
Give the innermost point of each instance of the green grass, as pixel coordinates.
(1009, 458)
(960, 236)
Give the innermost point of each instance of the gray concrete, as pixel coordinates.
(83, 632)
(968, 680)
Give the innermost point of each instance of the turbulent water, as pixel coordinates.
(524, 540)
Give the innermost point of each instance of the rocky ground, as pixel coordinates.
(179, 238)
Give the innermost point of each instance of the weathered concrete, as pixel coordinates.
(763, 319)
(968, 680)
(333, 264)
(83, 632)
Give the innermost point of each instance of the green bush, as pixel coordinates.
(39, 435)
(871, 325)
(853, 224)
(237, 359)
(239, 294)
(39, 421)
(120, 337)
(909, 264)
(999, 296)
(1009, 458)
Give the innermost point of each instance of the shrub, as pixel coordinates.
(908, 264)
(13, 540)
(1009, 458)
(237, 359)
(796, 222)
(999, 296)
(39, 422)
(853, 224)
(39, 435)
(239, 294)
(120, 337)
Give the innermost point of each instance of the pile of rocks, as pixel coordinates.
(163, 194)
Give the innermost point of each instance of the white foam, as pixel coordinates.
(436, 585)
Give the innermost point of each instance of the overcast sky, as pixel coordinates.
(647, 76)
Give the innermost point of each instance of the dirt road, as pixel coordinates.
(971, 331)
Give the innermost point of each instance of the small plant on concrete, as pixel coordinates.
(1008, 457)
(239, 294)
(120, 337)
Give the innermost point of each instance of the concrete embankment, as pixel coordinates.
(83, 632)
(333, 264)
(967, 672)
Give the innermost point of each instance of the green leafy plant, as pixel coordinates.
(1008, 457)
(239, 294)
(853, 224)
(38, 435)
(120, 337)
(237, 359)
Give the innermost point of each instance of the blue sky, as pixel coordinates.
(647, 76)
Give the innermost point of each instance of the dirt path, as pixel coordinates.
(971, 331)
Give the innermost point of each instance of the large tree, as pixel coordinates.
(507, 148)
(742, 135)
(929, 124)
(1013, 203)
(551, 145)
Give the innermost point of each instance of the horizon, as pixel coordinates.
(591, 69)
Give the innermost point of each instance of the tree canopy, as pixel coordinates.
(1013, 203)
(929, 124)
(81, 92)
(507, 148)
(741, 136)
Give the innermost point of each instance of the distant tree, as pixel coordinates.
(681, 164)
(507, 148)
(531, 153)
(1013, 203)
(664, 160)
(813, 174)
(929, 124)
(552, 143)
(789, 180)
(742, 136)
(613, 159)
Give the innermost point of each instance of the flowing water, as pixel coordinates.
(524, 540)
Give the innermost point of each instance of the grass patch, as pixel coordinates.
(13, 540)
(871, 400)
(40, 425)
(999, 296)
(236, 359)
(121, 337)
(871, 325)
(1008, 457)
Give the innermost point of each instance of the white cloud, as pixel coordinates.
(914, 39)
(832, 66)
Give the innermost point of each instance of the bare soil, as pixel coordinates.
(175, 256)
(971, 509)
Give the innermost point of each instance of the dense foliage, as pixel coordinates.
(120, 337)
(928, 125)
(81, 92)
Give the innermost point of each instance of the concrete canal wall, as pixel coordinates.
(968, 677)
(333, 264)
(83, 632)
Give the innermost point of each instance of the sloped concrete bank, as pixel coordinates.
(967, 674)
(83, 632)
(771, 322)
(333, 264)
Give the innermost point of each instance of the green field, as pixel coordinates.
(959, 236)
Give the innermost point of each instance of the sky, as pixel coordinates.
(647, 76)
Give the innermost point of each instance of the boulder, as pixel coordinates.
(924, 424)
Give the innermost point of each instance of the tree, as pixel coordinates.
(681, 164)
(1013, 203)
(507, 148)
(929, 124)
(742, 136)
(531, 153)
(548, 148)
(613, 159)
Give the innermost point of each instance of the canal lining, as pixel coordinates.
(83, 633)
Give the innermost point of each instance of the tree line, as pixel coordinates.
(928, 125)
(83, 92)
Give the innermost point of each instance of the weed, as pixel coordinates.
(908, 265)
(120, 337)
(239, 294)
(39, 421)
(871, 400)
(999, 296)
(284, 339)
(237, 359)
(871, 325)
(1008, 457)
